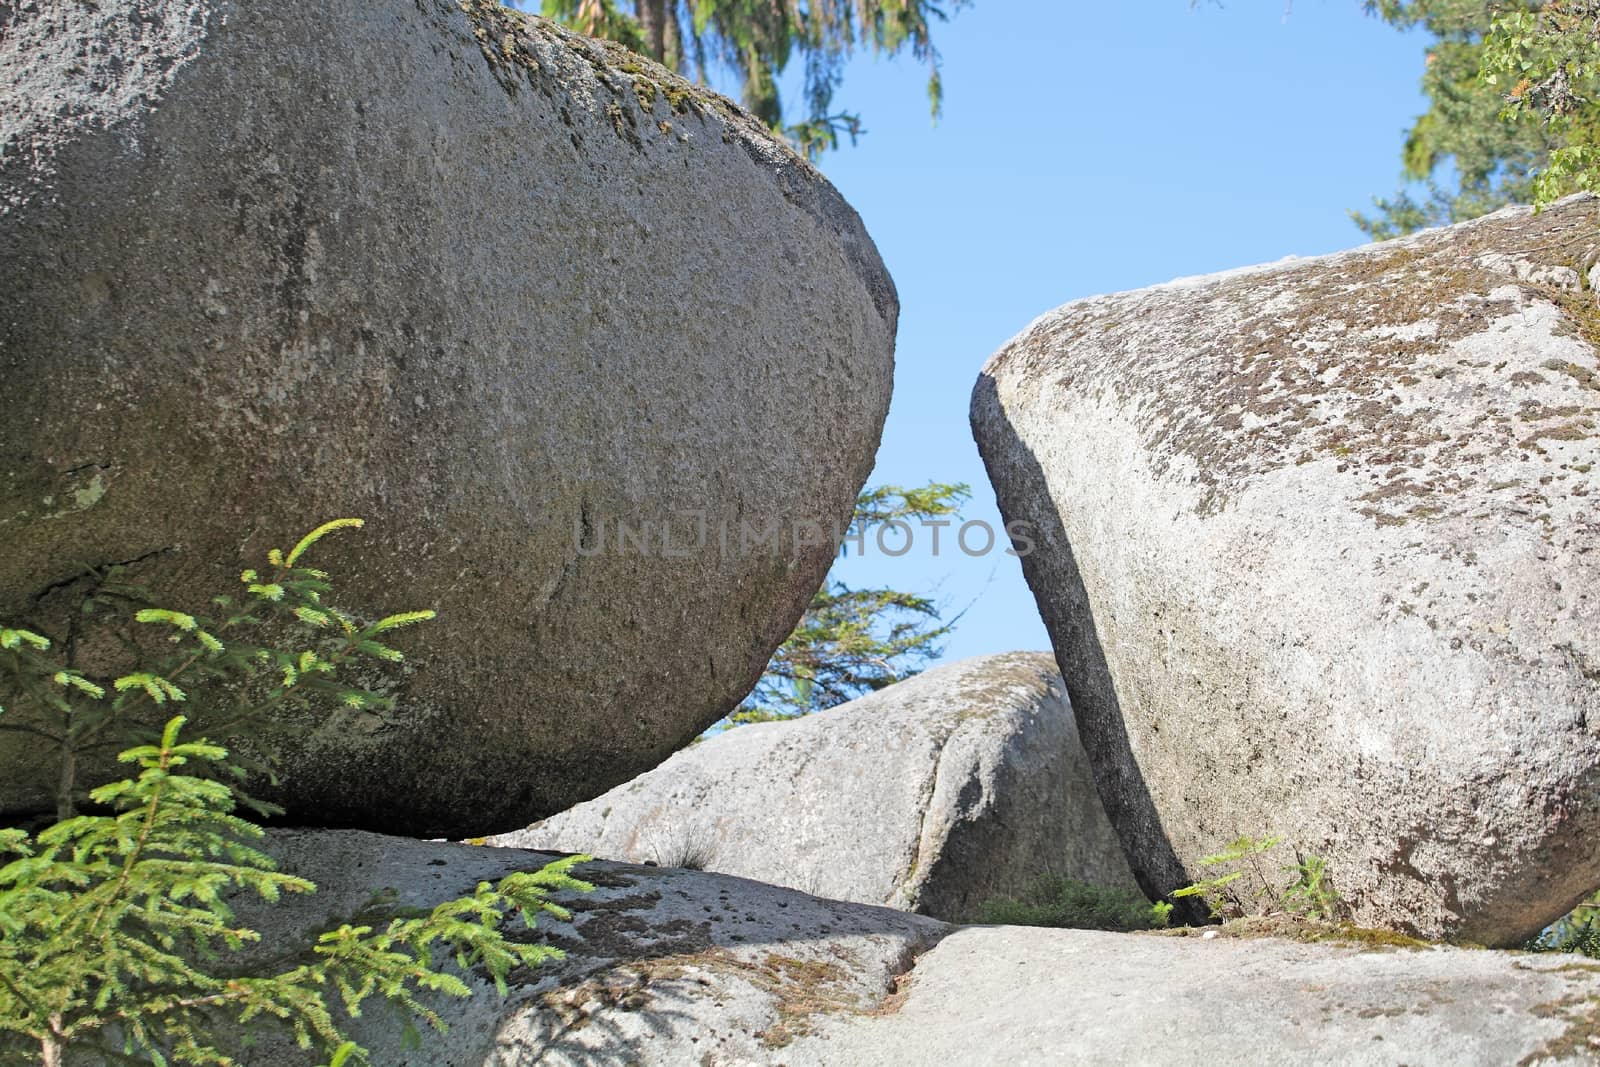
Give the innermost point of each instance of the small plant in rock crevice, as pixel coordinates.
(1309, 893)
(689, 851)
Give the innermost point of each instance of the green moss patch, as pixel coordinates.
(1304, 931)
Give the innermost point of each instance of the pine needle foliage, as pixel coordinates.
(118, 937)
(1577, 931)
(850, 641)
(756, 40)
(1308, 893)
(1232, 863)
(889, 503)
(113, 925)
(275, 645)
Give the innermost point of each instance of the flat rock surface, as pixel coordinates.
(596, 357)
(1316, 544)
(684, 967)
(1006, 995)
(932, 795)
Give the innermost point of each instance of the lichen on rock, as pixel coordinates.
(1317, 545)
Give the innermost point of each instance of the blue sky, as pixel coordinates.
(1089, 148)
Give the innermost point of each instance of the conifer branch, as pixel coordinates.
(116, 920)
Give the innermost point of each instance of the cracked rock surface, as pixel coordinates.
(498, 289)
(932, 795)
(1316, 546)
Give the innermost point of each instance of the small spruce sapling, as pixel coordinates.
(276, 646)
(1309, 894)
(115, 929)
(1218, 891)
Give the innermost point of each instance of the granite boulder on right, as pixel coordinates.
(1316, 543)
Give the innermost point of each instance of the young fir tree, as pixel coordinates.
(117, 936)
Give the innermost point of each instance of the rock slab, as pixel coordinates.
(662, 966)
(675, 967)
(511, 295)
(1316, 547)
(931, 795)
(1004, 995)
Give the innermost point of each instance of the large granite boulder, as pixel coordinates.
(509, 294)
(677, 967)
(1316, 546)
(933, 795)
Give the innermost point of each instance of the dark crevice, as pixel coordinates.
(89, 570)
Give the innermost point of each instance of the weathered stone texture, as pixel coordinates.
(932, 795)
(492, 286)
(1317, 553)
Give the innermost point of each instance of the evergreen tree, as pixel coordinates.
(756, 40)
(854, 641)
(1511, 113)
